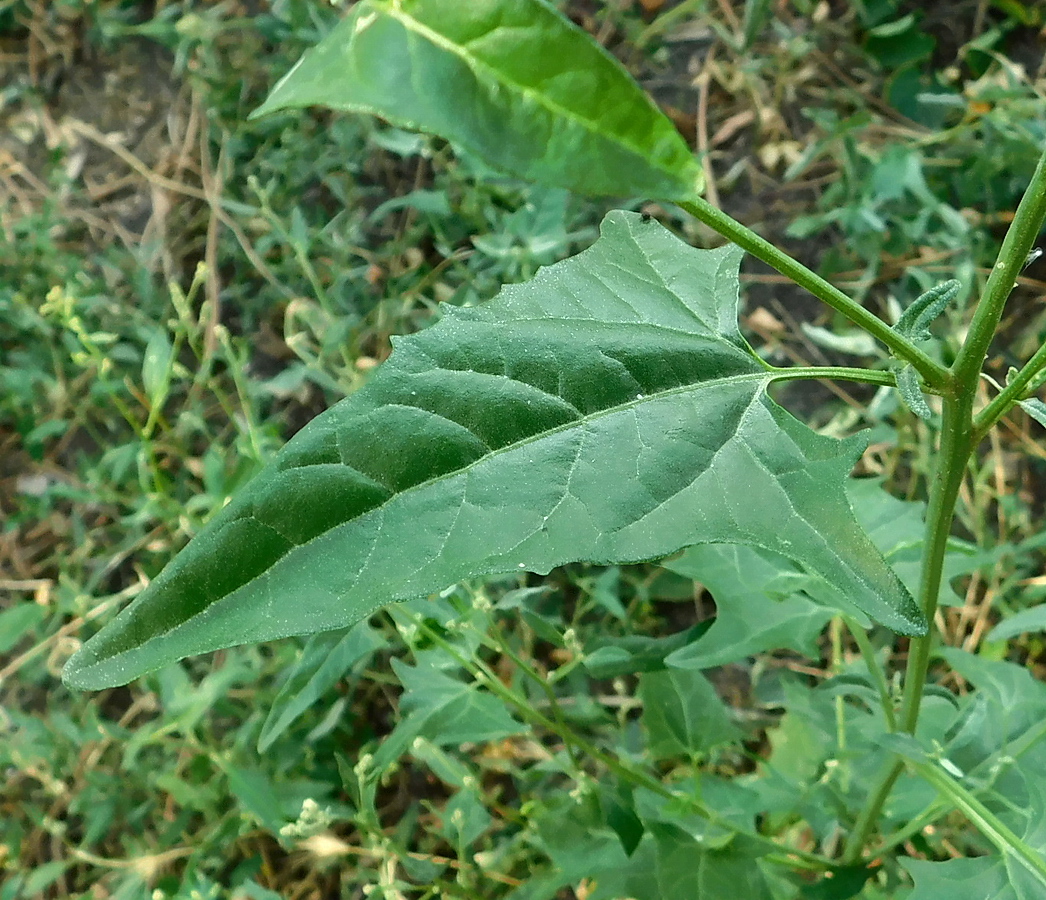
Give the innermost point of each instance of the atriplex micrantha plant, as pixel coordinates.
(610, 410)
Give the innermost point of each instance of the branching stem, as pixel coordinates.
(932, 372)
(959, 437)
(881, 377)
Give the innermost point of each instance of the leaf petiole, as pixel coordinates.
(933, 373)
(879, 377)
(874, 669)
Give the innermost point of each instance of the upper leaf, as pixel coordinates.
(608, 410)
(983, 878)
(510, 80)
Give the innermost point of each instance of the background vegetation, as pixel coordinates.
(180, 290)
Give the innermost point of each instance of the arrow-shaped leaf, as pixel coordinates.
(512, 81)
(608, 410)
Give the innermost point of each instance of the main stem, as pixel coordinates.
(959, 438)
(959, 434)
(955, 448)
(953, 455)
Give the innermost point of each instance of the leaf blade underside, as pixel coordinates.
(512, 81)
(608, 410)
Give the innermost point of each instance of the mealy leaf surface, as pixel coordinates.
(608, 410)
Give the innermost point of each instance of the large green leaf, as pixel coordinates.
(764, 602)
(608, 410)
(510, 80)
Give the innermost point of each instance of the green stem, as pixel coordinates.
(483, 673)
(928, 816)
(526, 710)
(236, 367)
(958, 440)
(932, 372)
(836, 635)
(1013, 392)
(1020, 236)
(1005, 840)
(543, 685)
(874, 669)
(954, 453)
(866, 819)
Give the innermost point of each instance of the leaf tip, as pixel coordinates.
(273, 102)
(95, 667)
(76, 674)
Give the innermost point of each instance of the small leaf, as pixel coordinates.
(854, 343)
(766, 602)
(682, 714)
(156, 367)
(959, 879)
(670, 865)
(254, 791)
(984, 878)
(1034, 408)
(325, 659)
(914, 323)
(757, 12)
(758, 601)
(1016, 871)
(911, 392)
(608, 410)
(618, 806)
(1027, 620)
(637, 653)
(1008, 706)
(17, 621)
(465, 819)
(512, 81)
(450, 712)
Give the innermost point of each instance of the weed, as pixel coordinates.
(513, 736)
